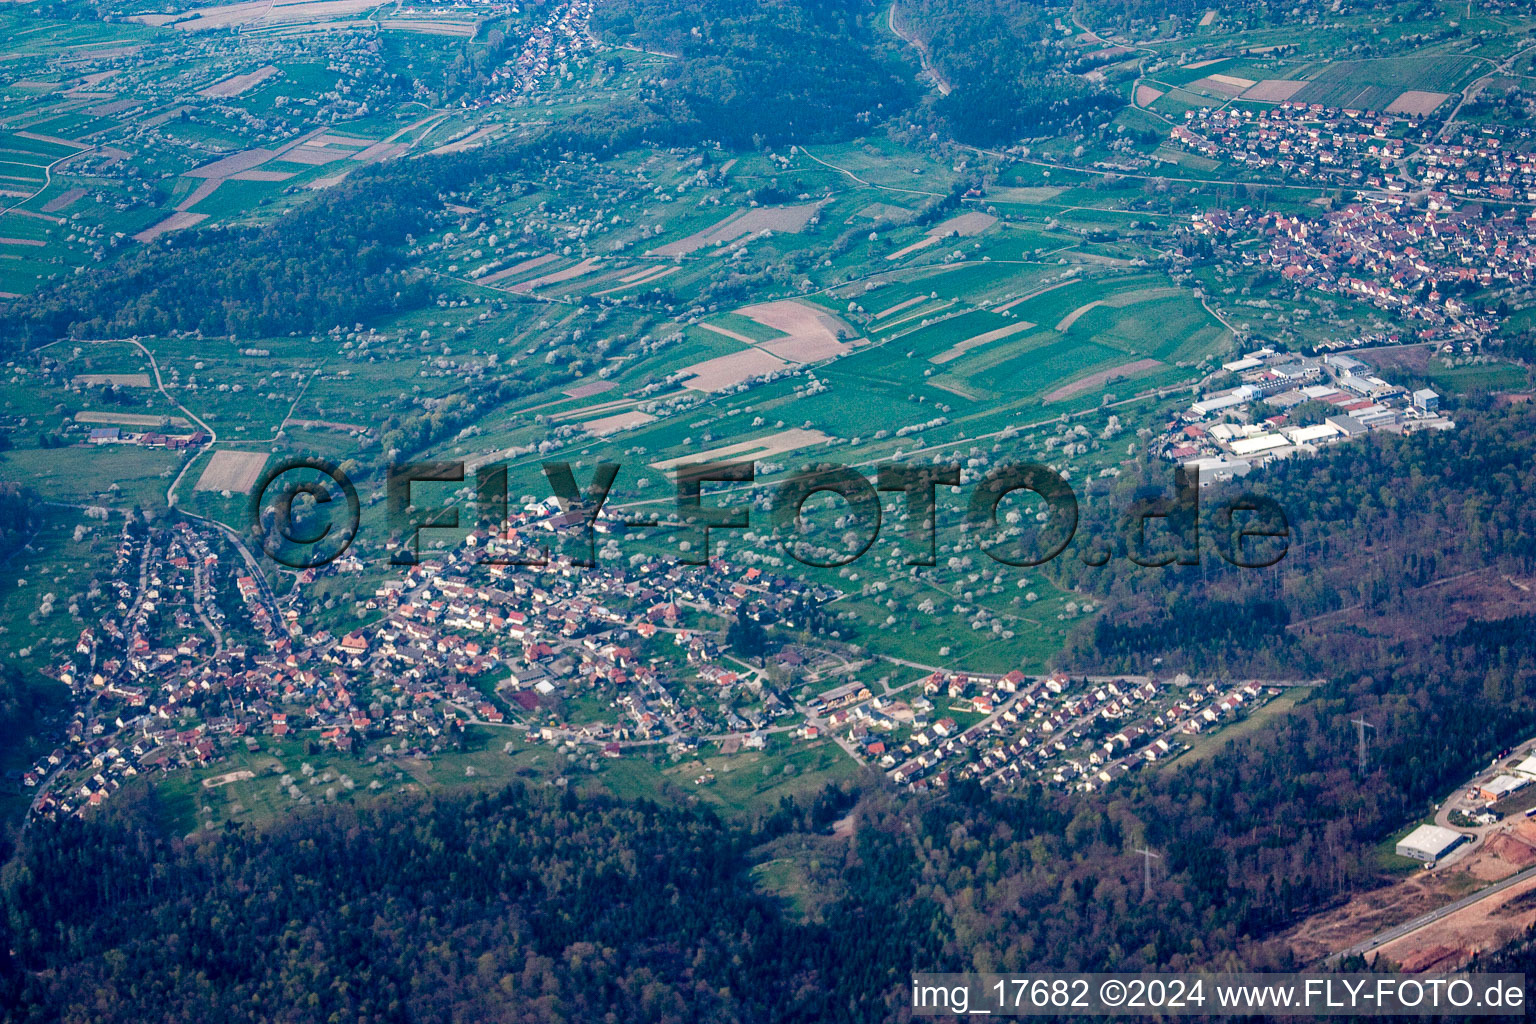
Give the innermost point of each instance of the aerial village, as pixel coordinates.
(194, 656)
(1433, 228)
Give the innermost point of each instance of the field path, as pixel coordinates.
(868, 184)
(48, 177)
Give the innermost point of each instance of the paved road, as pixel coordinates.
(1398, 931)
(1475, 835)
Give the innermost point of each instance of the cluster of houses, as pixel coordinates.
(1305, 141)
(196, 657)
(1054, 730)
(148, 438)
(1480, 166)
(1415, 261)
(563, 34)
(1230, 430)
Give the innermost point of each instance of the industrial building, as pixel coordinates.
(1428, 843)
(1501, 786)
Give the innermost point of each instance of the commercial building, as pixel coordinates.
(1501, 786)
(1254, 445)
(1347, 425)
(1428, 843)
(1311, 435)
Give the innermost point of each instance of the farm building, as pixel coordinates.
(1428, 843)
(1501, 786)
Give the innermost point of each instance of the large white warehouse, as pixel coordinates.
(1428, 842)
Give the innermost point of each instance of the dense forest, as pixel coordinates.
(22, 699)
(1371, 524)
(766, 72)
(1005, 62)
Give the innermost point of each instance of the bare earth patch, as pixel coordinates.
(1416, 101)
(760, 448)
(965, 225)
(464, 29)
(313, 155)
(1025, 193)
(236, 472)
(742, 223)
(570, 273)
(237, 84)
(223, 780)
(63, 200)
(899, 307)
(882, 211)
(117, 380)
(1274, 90)
(518, 268)
(249, 13)
(1486, 924)
(960, 348)
(261, 174)
(1437, 608)
(596, 387)
(1409, 357)
(175, 222)
(130, 419)
(650, 276)
(1099, 379)
(233, 164)
(1072, 317)
(1146, 95)
(727, 371)
(1032, 295)
(814, 333)
(1322, 935)
(617, 422)
(728, 333)
(468, 142)
(1227, 85)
